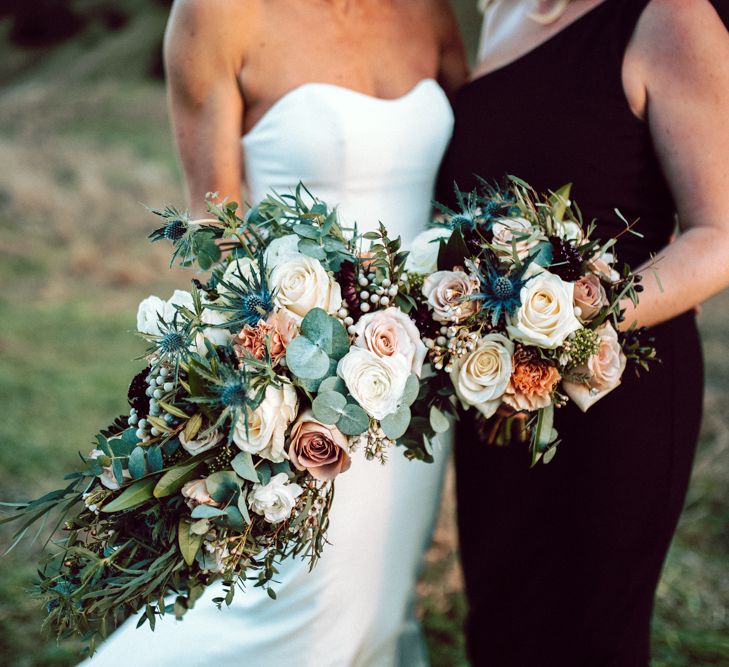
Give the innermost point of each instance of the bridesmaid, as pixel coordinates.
(629, 100)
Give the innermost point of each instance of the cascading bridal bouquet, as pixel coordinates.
(520, 307)
(259, 383)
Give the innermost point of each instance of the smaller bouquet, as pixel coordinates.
(520, 307)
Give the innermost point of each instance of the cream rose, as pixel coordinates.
(423, 257)
(301, 284)
(107, 477)
(519, 233)
(546, 315)
(447, 292)
(390, 331)
(603, 370)
(318, 448)
(276, 500)
(481, 377)
(589, 296)
(377, 383)
(196, 492)
(280, 249)
(267, 424)
(200, 443)
(569, 230)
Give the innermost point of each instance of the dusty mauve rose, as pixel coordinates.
(390, 331)
(446, 292)
(589, 297)
(196, 493)
(532, 381)
(318, 448)
(602, 265)
(604, 371)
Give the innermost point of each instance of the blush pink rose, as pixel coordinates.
(196, 493)
(602, 372)
(318, 448)
(390, 331)
(589, 297)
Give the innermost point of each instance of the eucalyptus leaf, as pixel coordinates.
(154, 458)
(353, 420)
(328, 407)
(206, 512)
(306, 231)
(243, 507)
(222, 485)
(326, 332)
(306, 359)
(243, 466)
(396, 424)
(118, 470)
(137, 464)
(312, 249)
(412, 388)
(438, 420)
(333, 383)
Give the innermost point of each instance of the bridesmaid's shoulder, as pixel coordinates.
(224, 22)
(676, 39)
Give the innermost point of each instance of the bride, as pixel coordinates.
(350, 97)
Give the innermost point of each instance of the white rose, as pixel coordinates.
(267, 424)
(423, 257)
(243, 267)
(604, 371)
(515, 232)
(276, 500)
(377, 383)
(107, 477)
(388, 332)
(301, 284)
(200, 443)
(546, 315)
(569, 230)
(216, 334)
(148, 314)
(280, 249)
(481, 377)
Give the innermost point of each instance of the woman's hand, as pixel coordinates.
(676, 76)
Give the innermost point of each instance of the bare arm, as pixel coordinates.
(453, 64)
(680, 58)
(203, 56)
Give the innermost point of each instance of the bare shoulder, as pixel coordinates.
(207, 35)
(681, 38)
(443, 17)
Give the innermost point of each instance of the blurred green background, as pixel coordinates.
(84, 139)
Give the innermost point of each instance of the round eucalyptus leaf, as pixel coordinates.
(306, 359)
(438, 420)
(326, 332)
(333, 383)
(396, 424)
(412, 389)
(353, 420)
(312, 249)
(328, 407)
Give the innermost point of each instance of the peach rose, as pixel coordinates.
(283, 329)
(532, 381)
(602, 372)
(447, 292)
(589, 297)
(196, 493)
(318, 448)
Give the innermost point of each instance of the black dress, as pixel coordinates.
(561, 561)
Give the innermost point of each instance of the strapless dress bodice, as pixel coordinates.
(375, 159)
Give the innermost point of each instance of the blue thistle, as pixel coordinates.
(248, 299)
(500, 292)
(174, 230)
(174, 340)
(233, 393)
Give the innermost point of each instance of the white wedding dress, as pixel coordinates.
(376, 160)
